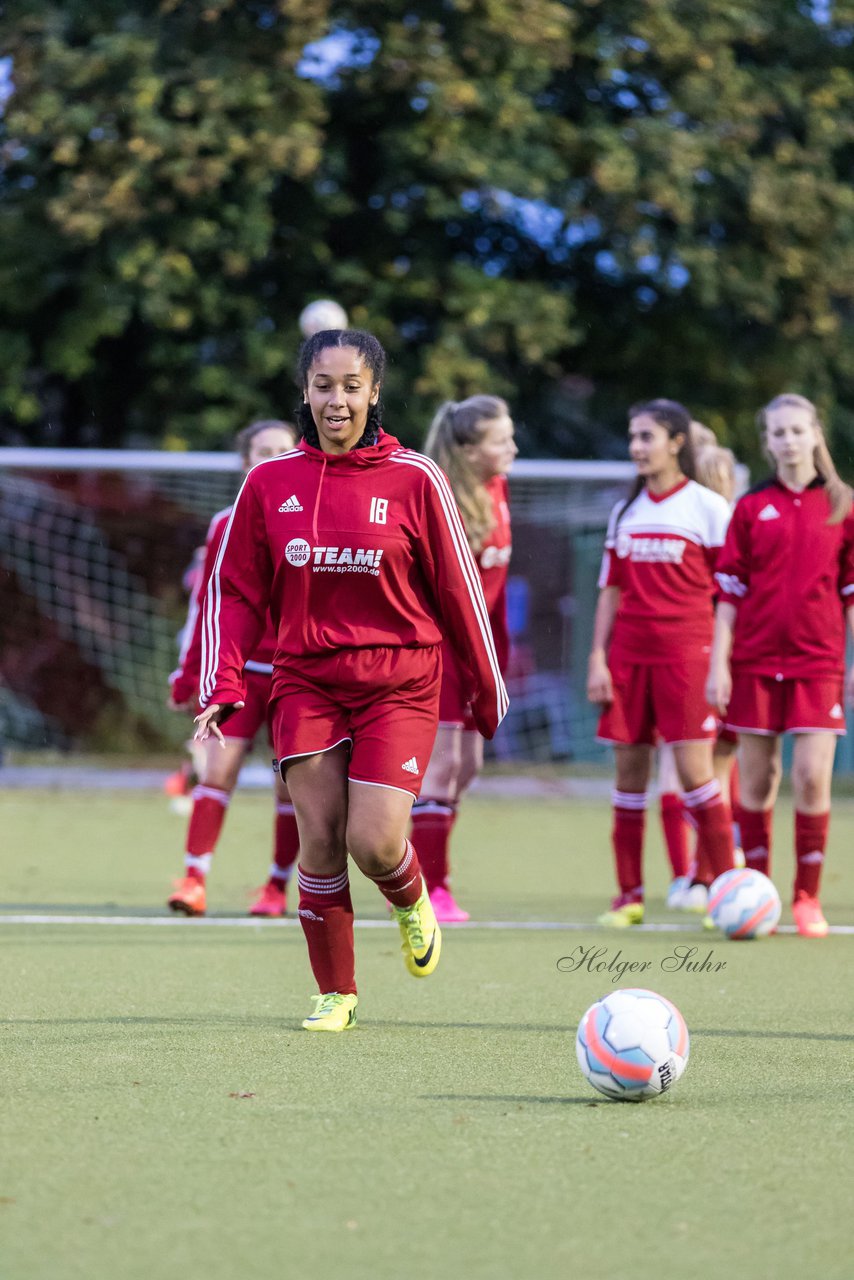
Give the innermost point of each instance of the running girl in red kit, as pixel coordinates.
(651, 639)
(260, 440)
(356, 546)
(473, 444)
(778, 663)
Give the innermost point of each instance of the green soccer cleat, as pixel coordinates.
(625, 911)
(422, 937)
(333, 1012)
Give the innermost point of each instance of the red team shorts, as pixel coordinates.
(246, 722)
(384, 702)
(767, 705)
(657, 702)
(454, 702)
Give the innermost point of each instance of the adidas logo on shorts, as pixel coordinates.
(836, 711)
(411, 765)
(709, 724)
(293, 504)
(769, 513)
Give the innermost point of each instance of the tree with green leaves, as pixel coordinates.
(574, 205)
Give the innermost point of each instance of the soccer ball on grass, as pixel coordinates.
(632, 1044)
(744, 904)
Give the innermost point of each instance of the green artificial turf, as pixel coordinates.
(163, 1115)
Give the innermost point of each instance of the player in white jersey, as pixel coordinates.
(652, 636)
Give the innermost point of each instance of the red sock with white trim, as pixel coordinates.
(209, 806)
(675, 830)
(326, 915)
(756, 838)
(285, 844)
(432, 824)
(403, 886)
(714, 827)
(810, 844)
(627, 837)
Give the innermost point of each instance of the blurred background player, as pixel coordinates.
(715, 469)
(786, 579)
(651, 640)
(365, 572)
(472, 441)
(211, 796)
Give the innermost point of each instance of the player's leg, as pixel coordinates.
(434, 813)
(272, 900)
(211, 798)
(703, 799)
(760, 771)
(675, 828)
(318, 789)
(378, 816)
(812, 768)
(629, 801)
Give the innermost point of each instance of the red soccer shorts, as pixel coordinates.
(657, 700)
(768, 706)
(383, 702)
(246, 722)
(454, 700)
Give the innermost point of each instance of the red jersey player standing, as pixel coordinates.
(260, 440)
(356, 546)
(651, 640)
(778, 663)
(473, 444)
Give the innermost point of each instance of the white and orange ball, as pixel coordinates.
(744, 904)
(632, 1044)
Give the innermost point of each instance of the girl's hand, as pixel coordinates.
(208, 721)
(719, 688)
(600, 687)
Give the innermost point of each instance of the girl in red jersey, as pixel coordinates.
(651, 638)
(473, 444)
(356, 546)
(787, 586)
(263, 439)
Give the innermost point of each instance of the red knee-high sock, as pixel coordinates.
(627, 836)
(714, 827)
(403, 886)
(810, 843)
(756, 839)
(675, 830)
(326, 916)
(735, 803)
(285, 844)
(209, 806)
(432, 824)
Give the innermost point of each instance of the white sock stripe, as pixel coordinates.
(813, 859)
(424, 807)
(629, 799)
(322, 884)
(700, 796)
(201, 792)
(280, 873)
(403, 866)
(198, 862)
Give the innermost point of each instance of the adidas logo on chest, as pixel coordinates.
(769, 512)
(293, 504)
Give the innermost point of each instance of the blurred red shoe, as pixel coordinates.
(189, 897)
(272, 901)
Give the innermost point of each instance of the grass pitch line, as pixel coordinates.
(513, 926)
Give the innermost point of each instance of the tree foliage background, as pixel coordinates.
(575, 204)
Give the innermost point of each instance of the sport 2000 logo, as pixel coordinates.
(297, 551)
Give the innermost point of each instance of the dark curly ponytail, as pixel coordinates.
(374, 358)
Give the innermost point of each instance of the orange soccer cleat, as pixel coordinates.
(809, 918)
(188, 897)
(271, 901)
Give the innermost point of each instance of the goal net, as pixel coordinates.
(94, 545)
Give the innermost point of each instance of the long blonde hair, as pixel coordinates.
(839, 493)
(455, 425)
